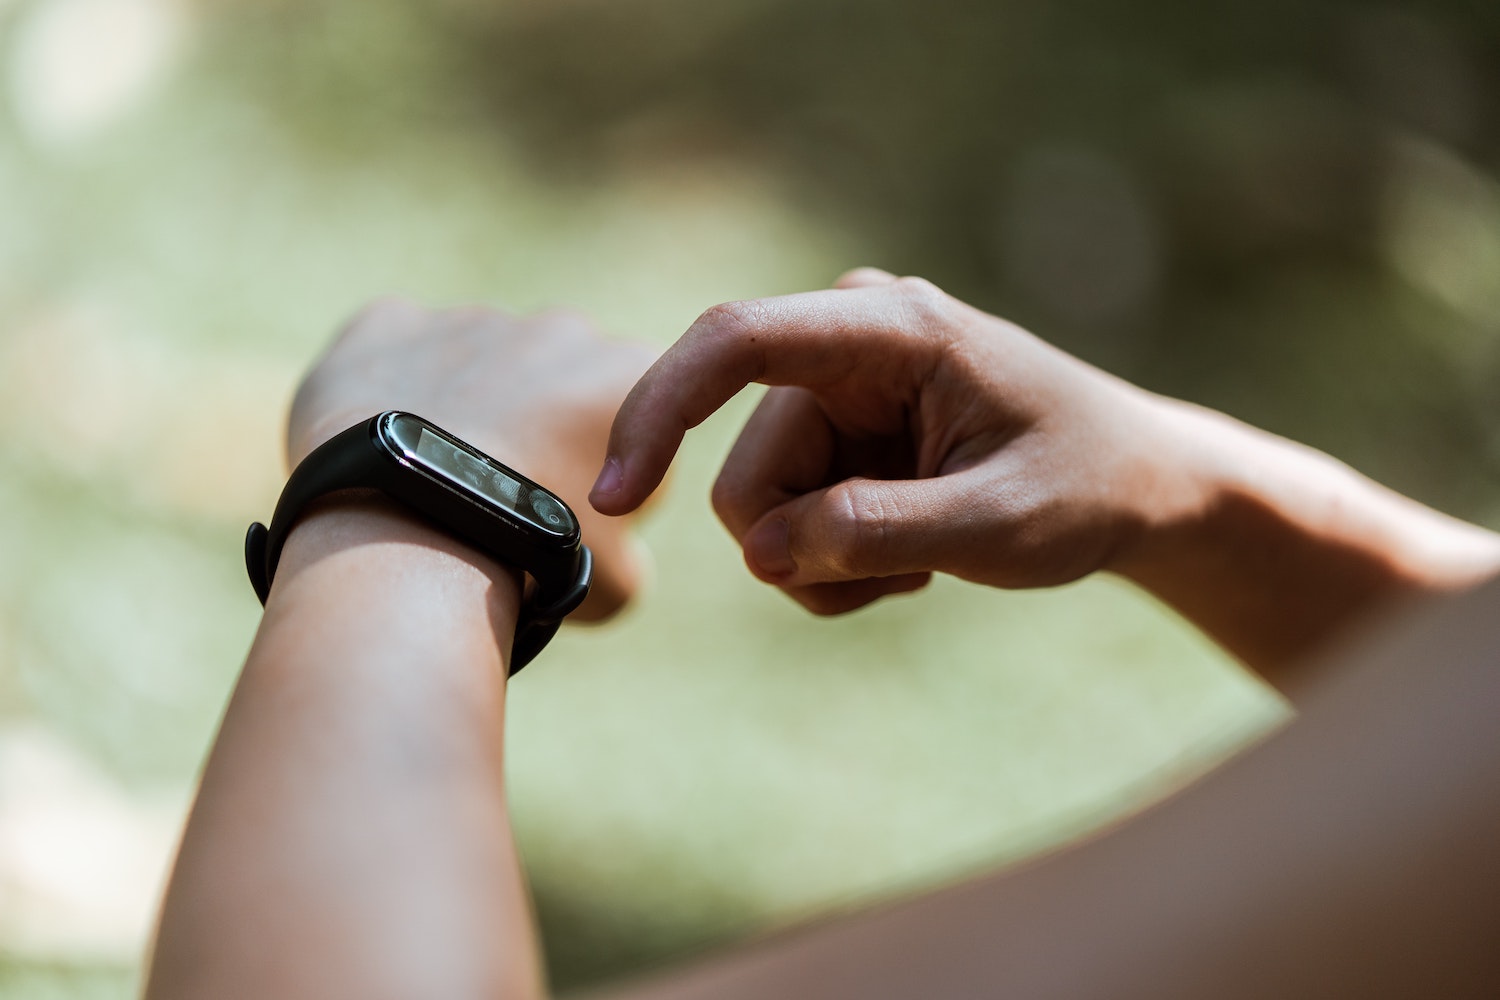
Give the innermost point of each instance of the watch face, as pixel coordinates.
(477, 474)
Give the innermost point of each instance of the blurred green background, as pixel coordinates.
(1286, 210)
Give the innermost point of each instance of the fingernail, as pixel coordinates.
(769, 549)
(611, 477)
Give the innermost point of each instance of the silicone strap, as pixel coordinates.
(351, 460)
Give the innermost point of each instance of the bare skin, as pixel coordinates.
(539, 390)
(1350, 855)
(351, 837)
(907, 433)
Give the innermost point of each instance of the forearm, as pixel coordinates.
(1351, 854)
(1272, 548)
(350, 837)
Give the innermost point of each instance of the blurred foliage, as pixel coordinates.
(1248, 149)
(62, 981)
(1208, 199)
(1288, 211)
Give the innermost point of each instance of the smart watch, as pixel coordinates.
(459, 489)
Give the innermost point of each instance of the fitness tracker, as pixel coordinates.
(456, 487)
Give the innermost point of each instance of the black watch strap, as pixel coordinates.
(351, 460)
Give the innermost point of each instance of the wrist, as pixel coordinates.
(361, 554)
(1272, 547)
(305, 434)
(1171, 484)
(1220, 484)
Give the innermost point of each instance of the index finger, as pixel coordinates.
(811, 339)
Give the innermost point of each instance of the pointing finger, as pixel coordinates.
(886, 334)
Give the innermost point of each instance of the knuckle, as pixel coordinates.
(727, 334)
(937, 322)
(730, 320)
(919, 291)
(927, 306)
(722, 314)
(915, 286)
(864, 522)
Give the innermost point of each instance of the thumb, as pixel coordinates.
(863, 528)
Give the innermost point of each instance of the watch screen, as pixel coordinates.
(476, 473)
(468, 469)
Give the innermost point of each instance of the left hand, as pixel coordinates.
(537, 392)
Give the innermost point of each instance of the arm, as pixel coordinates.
(908, 433)
(1282, 547)
(1350, 855)
(350, 835)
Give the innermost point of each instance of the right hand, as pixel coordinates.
(905, 433)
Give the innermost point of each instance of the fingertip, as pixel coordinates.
(611, 478)
(611, 495)
(605, 496)
(610, 504)
(768, 551)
